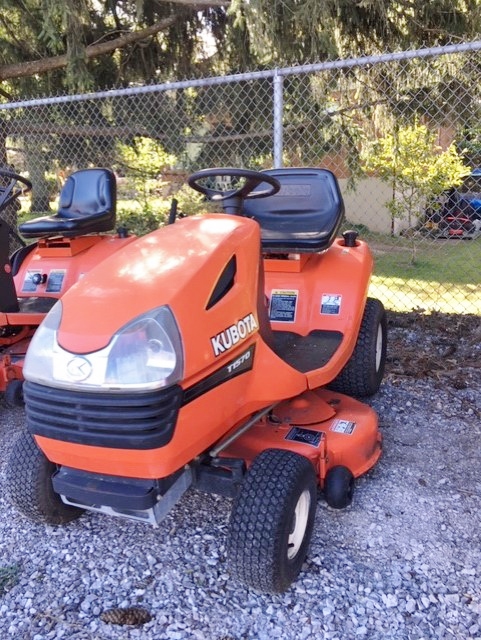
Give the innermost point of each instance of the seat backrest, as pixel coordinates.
(8, 294)
(304, 216)
(87, 204)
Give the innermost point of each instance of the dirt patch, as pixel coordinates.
(441, 346)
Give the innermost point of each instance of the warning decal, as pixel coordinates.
(331, 304)
(283, 305)
(55, 280)
(343, 426)
(28, 284)
(305, 436)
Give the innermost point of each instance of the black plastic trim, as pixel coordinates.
(121, 421)
(96, 489)
(307, 353)
(235, 367)
(222, 476)
(224, 283)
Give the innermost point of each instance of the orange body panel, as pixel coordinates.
(200, 424)
(159, 269)
(10, 370)
(62, 262)
(19, 319)
(179, 266)
(342, 273)
(293, 262)
(346, 429)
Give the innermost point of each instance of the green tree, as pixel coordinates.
(293, 31)
(93, 44)
(416, 168)
(142, 162)
(50, 47)
(87, 44)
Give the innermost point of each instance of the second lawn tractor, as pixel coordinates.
(64, 246)
(219, 352)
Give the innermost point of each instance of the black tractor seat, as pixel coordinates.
(304, 216)
(87, 204)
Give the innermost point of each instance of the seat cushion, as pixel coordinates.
(304, 216)
(87, 204)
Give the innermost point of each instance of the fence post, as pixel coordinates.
(278, 118)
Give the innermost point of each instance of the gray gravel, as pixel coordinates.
(403, 562)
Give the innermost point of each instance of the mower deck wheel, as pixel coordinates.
(272, 520)
(363, 373)
(28, 484)
(14, 393)
(339, 487)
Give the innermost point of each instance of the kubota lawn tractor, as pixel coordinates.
(212, 353)
(68, 243)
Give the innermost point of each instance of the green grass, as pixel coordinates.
(453, 261)
(9, 576)
(445, 276)
(404, 295)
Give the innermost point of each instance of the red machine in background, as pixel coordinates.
(65, 246)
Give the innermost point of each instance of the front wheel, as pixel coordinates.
(362, 375)
(28, 484)
(272, 520)
(14, 393)
(339, 487)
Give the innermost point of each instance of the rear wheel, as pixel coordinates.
(28, 484)
(363, 373)
(272, 520)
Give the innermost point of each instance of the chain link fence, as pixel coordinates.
(332, 115)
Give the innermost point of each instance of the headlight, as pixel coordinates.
(145, 354)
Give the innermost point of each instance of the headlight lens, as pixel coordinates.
(145, 354)
(38, 361)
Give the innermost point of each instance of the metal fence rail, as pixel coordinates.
(325, 114)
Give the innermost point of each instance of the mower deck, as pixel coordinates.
(329, 428)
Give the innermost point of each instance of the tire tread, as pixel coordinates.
(255, 537)
(28, 484)
(358, 377)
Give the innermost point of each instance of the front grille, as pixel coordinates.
(122, 421)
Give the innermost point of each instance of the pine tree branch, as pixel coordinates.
(199, 4)
(33, 67)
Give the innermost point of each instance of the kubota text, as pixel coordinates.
(226, 339)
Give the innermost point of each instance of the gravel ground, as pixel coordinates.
(403, 561)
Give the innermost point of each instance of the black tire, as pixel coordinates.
(339, 487)
(28, 484)
(14, 393)
(363, 373)
(272, 520)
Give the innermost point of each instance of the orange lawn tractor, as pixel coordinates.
(66, 245)
(213, 353)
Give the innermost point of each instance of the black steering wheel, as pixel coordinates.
(232, 198)
(9, 189)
